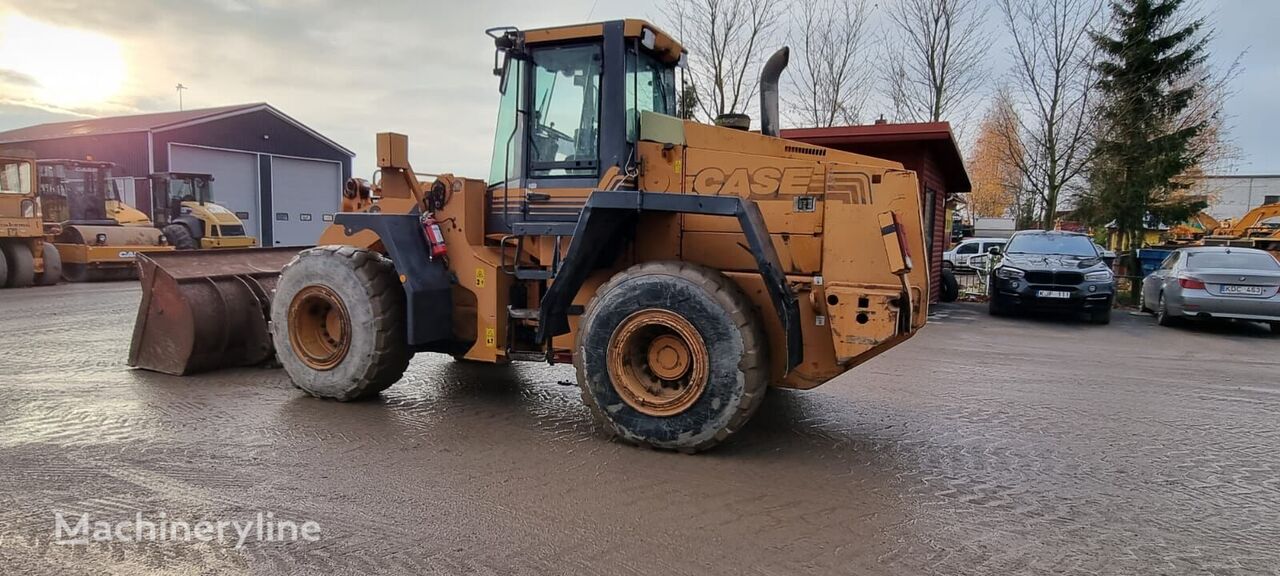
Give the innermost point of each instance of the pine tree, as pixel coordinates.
(1146, 61)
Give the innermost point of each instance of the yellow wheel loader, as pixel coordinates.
(25, 258)
(682, 268)
(75, 195)
(183, 208)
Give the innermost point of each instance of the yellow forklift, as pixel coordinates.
(183, 208)
(92, 245)
(25, 258)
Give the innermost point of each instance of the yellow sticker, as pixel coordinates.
(490, 337)
(677, 165)
(479, 277)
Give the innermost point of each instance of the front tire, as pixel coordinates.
(180, 237)
(22, 265)
(338, 323)
(1100, 316)
(671, 355)
(1163, 317)
(52, 266)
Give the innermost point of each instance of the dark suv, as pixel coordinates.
(1052, 270)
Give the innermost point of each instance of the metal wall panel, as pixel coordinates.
(302, 199)
(235, 179)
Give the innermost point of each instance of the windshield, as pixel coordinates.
(189, 189)
(1055, 244)
(15, 177)
(73, 192)
(1237, 260)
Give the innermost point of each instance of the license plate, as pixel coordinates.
(1052, 294)
(1249, 290)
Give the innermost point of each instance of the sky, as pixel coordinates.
(424, 68)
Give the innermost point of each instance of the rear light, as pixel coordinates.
(1191, 283)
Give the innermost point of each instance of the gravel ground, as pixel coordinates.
(982, 446)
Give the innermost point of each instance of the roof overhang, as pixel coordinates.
(936, 136)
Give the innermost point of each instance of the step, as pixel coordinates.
(534, 274)
(544, 228)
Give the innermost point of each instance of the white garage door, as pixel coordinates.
(304, 197)
(235, 179)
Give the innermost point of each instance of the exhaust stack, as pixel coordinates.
(769, 90)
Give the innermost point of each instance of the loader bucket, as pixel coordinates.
(204, 310)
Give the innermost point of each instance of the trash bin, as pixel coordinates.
(1150, 258)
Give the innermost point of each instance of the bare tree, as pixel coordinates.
(726, 40)
(935, 55)
(1054, 80)
(829, 73)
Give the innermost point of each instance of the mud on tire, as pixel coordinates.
(737, 354)
(180, 237)
(366, 289)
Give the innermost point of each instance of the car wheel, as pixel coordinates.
(1142, 303)
(995, 307)
(1275, 328)
(1163, 317)
(947, 265)
(1100, 316)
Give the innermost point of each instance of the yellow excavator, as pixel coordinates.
(682, 268)
(183, 208)
(1258, 228)
(80, 208)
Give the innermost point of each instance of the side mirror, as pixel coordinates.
(994, 250)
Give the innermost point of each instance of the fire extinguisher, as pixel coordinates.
(435, 239)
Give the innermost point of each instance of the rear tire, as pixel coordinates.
(52, 266)
(338, 323)
(949, 288)
(4, 270)
(180, 237)
(671, 355)
(21, 265)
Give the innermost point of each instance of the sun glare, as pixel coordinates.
(70, 68)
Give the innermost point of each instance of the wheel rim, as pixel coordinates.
(319, 327)
(658, 362)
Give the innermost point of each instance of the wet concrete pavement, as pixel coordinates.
(982, 446)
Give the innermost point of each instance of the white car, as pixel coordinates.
(959, 257)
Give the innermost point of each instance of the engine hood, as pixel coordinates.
(1051, 262)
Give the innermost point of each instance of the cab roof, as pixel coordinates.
(664, 45)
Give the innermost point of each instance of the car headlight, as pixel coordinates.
(1007, 273)
(1099, 276)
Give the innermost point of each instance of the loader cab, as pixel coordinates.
(75, 191)
(571, 99)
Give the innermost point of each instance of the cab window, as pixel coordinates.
(15, 177)
(650, 86)
(565, 127)
(507, 146)
(970, 248)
